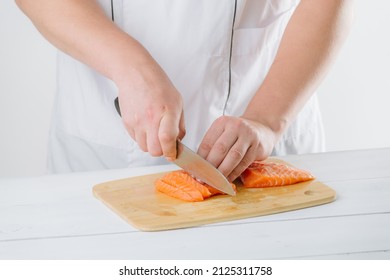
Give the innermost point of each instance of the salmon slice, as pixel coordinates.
(180, 184)
(268, 174)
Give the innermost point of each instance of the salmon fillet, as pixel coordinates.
(268, 174)
(180, 184)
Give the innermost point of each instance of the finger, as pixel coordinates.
(211, 136)
(182, 129)
(234, 156)
(140, 138)
(129, 127)
(131, 132)
(221, 148)
(243, 164)
(168, 134)
(152, 141)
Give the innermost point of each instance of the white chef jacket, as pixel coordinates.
(216, 52)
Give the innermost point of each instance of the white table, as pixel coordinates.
(57, 217)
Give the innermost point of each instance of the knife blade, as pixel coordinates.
(197, 166)
(202, 169)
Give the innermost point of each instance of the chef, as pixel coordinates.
(233, 79)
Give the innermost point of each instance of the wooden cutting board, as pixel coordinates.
(136, 200)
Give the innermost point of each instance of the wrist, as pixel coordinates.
(276, 124)
(132, 62)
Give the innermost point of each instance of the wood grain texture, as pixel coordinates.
(57, 217)
(136, 200)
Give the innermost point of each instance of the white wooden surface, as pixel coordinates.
(57, 217)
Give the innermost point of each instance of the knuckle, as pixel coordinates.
(245, 126)
(221, 148)
(137, 119)
(129, 124)
(236, 155)
(259, 146)
(166, 137)
(205, 146)
(150, 114)
(239, 124)
(261, 153)
(132, 121)
(222, 120)
(252, 133)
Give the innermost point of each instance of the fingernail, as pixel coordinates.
(171, 159)
(230, 179)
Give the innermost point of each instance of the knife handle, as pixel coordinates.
(118, 109)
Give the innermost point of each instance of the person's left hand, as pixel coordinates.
(231, 144)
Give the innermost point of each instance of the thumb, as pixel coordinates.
(168, 134)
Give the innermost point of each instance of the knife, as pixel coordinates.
(197, 166)
(201, 169)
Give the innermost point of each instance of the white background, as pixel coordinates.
(354, 98)
(281, 269)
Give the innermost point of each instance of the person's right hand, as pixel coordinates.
(151, 107)
(152, 110)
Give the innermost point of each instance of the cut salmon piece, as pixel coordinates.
(180, 184)
(268, 174)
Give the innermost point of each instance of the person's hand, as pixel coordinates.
(231, 144)
(152, 110)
